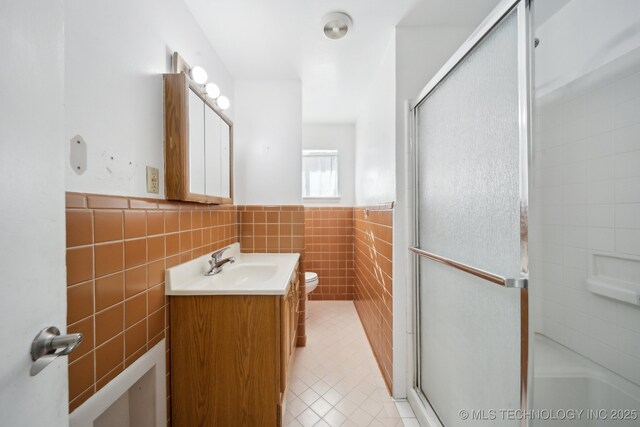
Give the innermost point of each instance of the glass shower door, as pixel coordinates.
(471, 138)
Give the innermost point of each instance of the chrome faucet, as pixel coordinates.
(216, 262)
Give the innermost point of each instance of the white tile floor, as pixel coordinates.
(335, 380)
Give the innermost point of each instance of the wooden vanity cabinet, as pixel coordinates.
(230, 357)
(289, 322)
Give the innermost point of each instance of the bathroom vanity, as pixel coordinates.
(232, 339)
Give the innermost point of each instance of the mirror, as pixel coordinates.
(196, 144)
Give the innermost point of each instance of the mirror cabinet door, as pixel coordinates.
(225, 159)
(196, 144)
(212, 125)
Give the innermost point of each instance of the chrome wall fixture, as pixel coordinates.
(490, 277)
(48, 345)
(387, 206)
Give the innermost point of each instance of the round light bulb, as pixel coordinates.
(212, 89)
(223, 102)
(336, 29)
(198, 75)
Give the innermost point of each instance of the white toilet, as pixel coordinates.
(310, 283)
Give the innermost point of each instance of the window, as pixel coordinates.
(320, 174)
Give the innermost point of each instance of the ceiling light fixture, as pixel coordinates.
(223, 102)
(212, 90)
(198, 75)
(337, 25)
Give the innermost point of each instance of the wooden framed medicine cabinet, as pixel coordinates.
(198, 144)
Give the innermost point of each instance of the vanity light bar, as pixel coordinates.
(200, 76)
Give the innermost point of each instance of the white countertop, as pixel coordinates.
(251, 274)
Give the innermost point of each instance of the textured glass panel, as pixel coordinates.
(470, 344)
(469, 211)
(468, 159)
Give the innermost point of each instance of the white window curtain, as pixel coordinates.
(320, 173)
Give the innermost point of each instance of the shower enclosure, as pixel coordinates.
(527, 222)
(585, 211)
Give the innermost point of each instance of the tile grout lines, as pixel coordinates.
(335, 380)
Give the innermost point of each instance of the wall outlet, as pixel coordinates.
(153, 180)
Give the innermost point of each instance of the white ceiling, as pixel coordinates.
(283, 39)
(449, 12)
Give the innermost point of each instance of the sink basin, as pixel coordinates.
(238, 274)
(251, 274)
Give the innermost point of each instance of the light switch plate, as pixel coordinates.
(153, 180)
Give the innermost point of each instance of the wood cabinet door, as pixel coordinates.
(285, 341)
(224, 360)
(292, 318)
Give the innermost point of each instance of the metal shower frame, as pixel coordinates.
(525, 89)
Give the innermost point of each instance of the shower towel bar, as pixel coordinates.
(388, 206)
(493, 278)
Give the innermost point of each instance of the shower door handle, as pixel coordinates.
(49, 345)
(522, 282)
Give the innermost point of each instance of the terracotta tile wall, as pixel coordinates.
(329, 251)
(373, 283)
(117, 251)
(276, 229)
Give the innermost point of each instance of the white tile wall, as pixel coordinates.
(587, 198)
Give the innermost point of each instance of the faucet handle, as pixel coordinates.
(217, 255)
